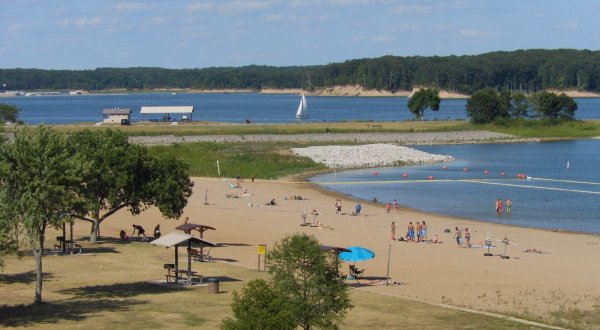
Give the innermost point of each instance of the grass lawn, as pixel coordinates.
(110, 289)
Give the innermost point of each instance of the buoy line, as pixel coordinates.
(568, 181)
(480, 181)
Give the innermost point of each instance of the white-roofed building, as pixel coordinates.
(168, 111)
(116, 115)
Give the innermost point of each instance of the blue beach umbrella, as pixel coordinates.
(357, 253)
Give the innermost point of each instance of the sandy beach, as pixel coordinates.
(565, 275)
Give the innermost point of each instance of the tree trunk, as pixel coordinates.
(38, 269)
(95, 231)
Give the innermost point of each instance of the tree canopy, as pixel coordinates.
(40, 176)
(125, 175)
(527, 71)
(547, 105)
(424, 99)
(305, 289)
(8, 113)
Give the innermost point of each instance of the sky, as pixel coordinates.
(87, 34)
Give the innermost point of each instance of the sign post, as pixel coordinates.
(262, 250)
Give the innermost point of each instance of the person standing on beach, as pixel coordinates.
(423, 231)
(338, 206)
(458, 236)
(419, 227)
(411, 232)
(508, 205)
(393, 229)
(468, 237)
(388, 207)
(395, 205)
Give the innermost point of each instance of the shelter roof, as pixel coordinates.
(176, 238)
(169, 109)
(116, 111)
(191, 226)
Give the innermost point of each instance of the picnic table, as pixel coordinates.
(67, 245)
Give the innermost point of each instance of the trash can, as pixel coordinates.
(213, 285)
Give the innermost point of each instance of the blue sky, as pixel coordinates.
(86, 34)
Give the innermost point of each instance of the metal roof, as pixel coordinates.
(176, 238)
(170, 109)
(116, 111)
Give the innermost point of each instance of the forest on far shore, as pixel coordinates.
(522, 70)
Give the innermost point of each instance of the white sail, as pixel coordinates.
(301, 113)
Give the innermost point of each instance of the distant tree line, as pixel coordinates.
(528, 71)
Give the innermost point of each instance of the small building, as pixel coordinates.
(116, 115)
(166, 113)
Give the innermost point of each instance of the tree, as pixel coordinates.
(8, 113)
(40, 175)
(259, 306)
(547, 105)
(424, 99)
(520, 106)
(305, 283)
(125, 175)
(483, 106)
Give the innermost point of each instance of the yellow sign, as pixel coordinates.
(262, 249)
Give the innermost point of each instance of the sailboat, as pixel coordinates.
(301, 113)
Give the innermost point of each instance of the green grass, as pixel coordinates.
(545, 130)
(264, 160)
(111, 290)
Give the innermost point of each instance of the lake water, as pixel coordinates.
(236, 107)
(554, 197)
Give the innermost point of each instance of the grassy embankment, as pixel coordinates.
(110, 289)
(272, 160)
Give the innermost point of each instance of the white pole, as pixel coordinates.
(218, 168)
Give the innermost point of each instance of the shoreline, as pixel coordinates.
(334, 91)
(432, 273)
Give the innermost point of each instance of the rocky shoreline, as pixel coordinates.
(423, 138)
(368, 155)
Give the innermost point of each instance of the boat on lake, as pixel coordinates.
(301, 112)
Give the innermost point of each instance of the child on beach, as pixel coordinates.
(393, 228)
(395, 204)
(468, 237)
(388, 207)
(419, 228)
(508, 205)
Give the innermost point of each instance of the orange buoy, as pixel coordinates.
(502, 174)
(405, 175)
(376, 173)
(430, 177)
(486, 172)
(465, 169)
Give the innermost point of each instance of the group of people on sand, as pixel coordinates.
(391, 206)
(500, 206)
(414, 233)
(458, 236)
(140, 232)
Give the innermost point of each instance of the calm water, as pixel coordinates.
(237, 107)
(554, 198)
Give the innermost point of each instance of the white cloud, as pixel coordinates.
(236, 7)
(412, 8)
(81, 22)
(470, 33)
(160, 19)
(14, 29)
(199, 6)
(130, 6)
(273, 18)
(570, 25)
(380, 38)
